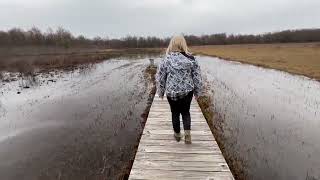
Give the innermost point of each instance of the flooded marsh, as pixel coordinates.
(81, 124)
(85, 123)
(266, 121)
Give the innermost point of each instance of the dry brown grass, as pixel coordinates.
(296, 58)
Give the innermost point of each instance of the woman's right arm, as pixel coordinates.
(161, 78)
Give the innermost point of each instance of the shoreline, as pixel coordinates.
(262, 66)
(297, 59)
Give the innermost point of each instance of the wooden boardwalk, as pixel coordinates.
(159, 156)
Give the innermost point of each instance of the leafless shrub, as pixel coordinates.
(25, 68)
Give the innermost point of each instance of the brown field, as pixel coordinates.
(296, 58)
(28, 59)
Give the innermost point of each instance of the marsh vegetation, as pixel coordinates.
(296, 58)
(85, 123)
(264, 120)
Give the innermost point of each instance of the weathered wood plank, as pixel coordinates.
(161, 163)
(159, 156)
(169, 122)
(168, 117)
(170, 137)
(180, 157)
(169, 126)
(178, 150)
(173, 175)
(174, 143)
(180, 166)
(165, 131)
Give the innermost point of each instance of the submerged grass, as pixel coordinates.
(296, 58)
(149, 76)
(215, 123)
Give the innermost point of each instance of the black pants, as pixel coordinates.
(181, 106)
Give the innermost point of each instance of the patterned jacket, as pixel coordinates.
(177, 75)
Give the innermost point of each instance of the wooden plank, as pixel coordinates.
(159, 156)
(170, 137)
(173, 175)
(201, 144)
(164, 113)
(168, 117)
(160, 142)
(168, 121)
(164, 163)
(165, 131)
(180, 157)
(180, 166)
(169, 126)
(181, 150)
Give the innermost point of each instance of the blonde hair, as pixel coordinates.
(179, 44)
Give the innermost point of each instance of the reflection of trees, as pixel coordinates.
(3, 111)
(28, 80)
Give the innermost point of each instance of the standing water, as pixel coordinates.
(270, 119)
(78, 125)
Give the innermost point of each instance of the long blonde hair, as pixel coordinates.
(179, 44)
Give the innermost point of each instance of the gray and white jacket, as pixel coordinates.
(177, 75)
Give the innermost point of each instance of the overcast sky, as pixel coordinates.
(118, 18)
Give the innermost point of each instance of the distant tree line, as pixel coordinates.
(63, 38)
(288, 36)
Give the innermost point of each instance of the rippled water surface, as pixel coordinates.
(76, 125)
(270, 119)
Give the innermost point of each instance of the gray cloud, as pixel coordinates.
(117, 18)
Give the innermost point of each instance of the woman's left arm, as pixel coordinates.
(161, 78)
(197, 79)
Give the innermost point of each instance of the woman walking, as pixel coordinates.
(179, 77)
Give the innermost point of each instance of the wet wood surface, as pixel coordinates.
(159, 156)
